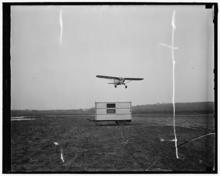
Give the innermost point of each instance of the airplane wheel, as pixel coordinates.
(115, 86)
(126, 87)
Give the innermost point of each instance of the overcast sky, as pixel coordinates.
(57, 51)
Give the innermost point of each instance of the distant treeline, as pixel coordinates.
(181, 108)
(52, 112)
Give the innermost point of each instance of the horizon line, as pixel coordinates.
(109, 101)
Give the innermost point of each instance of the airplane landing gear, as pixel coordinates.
(126, 87)
(115, 86)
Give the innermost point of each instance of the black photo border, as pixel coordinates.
(6, 87)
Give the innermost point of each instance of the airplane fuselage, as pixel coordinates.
(119, 81)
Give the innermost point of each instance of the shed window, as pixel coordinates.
(110, 111)
(111, 105)
(111, 108)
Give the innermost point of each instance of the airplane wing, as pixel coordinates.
(134, 79)
(106, 77)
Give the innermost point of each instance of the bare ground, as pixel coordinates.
(142, 146)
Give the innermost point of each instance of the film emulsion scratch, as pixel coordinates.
(61, 25)
(172, 47)
(113, 88)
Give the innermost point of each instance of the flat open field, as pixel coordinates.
(142, 146)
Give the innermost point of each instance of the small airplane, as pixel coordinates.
(119, 80)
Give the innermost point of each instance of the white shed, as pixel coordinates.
(113, 111)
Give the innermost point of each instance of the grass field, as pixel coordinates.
(142, 146)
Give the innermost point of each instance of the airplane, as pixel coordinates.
(119, 80)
